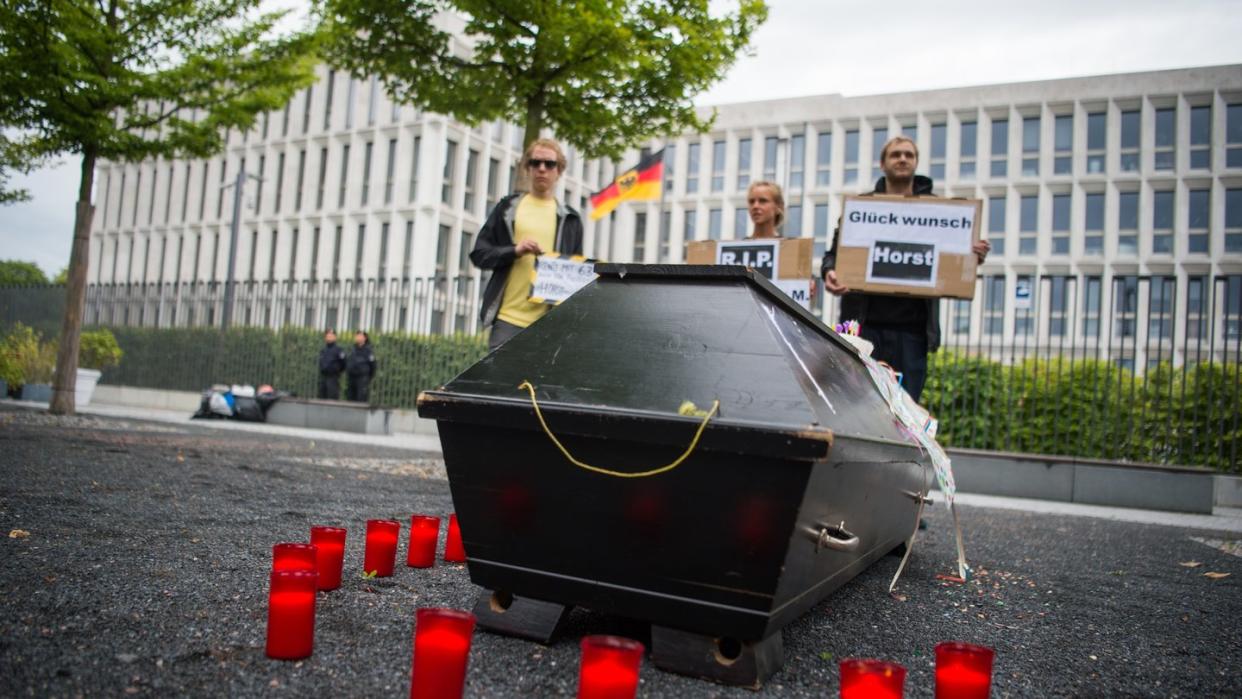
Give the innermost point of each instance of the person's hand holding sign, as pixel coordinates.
(981, 249)
(832, 285)
(528, 247)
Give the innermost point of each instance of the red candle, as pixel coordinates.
(609, 668)
(454, 552)
(424, 533)
(963, 671)
(330, 542)
(294, 557)
(291, 614)
(381, 549)
(864, 678)
(441, 649)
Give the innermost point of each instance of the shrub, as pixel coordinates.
(27, 358)
(99, 350)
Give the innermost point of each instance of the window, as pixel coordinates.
(366, 169)
(1233, 220)
(1000, 148)
(137, 194)
(939, 134)
(336, 255)
(418, 142)
(493, 183)
(180, 252)
(344, 186)
(472, 171)
(280, 181)
(293, 255)
(1233, 135)
(1060, 224)
(1091, 309)
(1063, 140)
(851, 157)
(383, 255)
(1160, 308)
(297, 194)
(743, 162)
(390, 171)
(823, 159)
(271, 255)
(1093, 241)
(1233, 307)
(254, 253)
(1197, 237)
(159, 273)
(1097, 141)
(267, 116)
(202, 192)
(640, 236)
(284, 118)
(1127, 223)
(718, 165)
(793, 221)
(741, 221)
(1024, 318)
(258, 185)
(961, 316)
(1200, 138)
(1125, 304)
(691, 225)
(1057, 306)
(692, 167)
(879, 136)
(714, 224)
(969, 150)
(327, 103)
(314, 261)
(1130, 137)
(769, 158)
(1196, 308)
(1166, 138)
(670, 163)
(359, 249)
(306, 109)
(442, 247)
(994, 306)
(372, 100)
(198, 255)
(450, 160)
(1030, 146)
(407, 252)
(155, 180)
(1028, 224)
(465, 243)
(996, 224)
(1162, 223)
(797, 160)
(323, 175)
(821, 232)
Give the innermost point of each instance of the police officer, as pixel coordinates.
(331, 364)
(361, 369)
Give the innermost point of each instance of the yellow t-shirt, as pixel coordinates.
(535, 218)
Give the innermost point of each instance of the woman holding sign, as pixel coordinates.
(766, 204)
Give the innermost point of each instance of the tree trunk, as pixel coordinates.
(64, 383)
(534, 124)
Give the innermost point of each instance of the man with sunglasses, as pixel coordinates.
(521, 227)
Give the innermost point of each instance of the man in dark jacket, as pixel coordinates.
(360, 366)
(904, 329)
(331, 364)
(520, 228)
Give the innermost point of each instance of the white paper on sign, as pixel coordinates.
(866, 221)
(797, 289)
(557, 278)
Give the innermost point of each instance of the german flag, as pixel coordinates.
(643, 182)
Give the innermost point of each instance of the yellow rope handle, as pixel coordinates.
(618, 474)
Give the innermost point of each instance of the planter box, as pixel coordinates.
(37, 392)
(85, 386)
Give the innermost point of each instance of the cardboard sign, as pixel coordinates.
(557, 277)
(786, 262)
(907, 245)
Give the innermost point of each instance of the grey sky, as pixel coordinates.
(813, 47)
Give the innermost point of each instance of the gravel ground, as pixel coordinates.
(144, 571)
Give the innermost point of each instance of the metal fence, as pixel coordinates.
(1139, 367)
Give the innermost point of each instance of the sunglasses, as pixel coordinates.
(535, 163)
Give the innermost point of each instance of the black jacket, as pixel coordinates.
(361, 361)
(331, 360)
(493, 248)
(855, 305)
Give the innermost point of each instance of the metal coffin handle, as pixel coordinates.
(835, 537)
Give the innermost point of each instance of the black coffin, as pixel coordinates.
(751, 530)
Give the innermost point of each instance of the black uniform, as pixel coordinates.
(361, 369)
(331, 364)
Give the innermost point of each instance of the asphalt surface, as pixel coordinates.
(143, 571)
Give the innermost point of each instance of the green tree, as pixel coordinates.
(602, 74)
(128, 80)
(17, 273)
(62, 277)
(11, 160)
